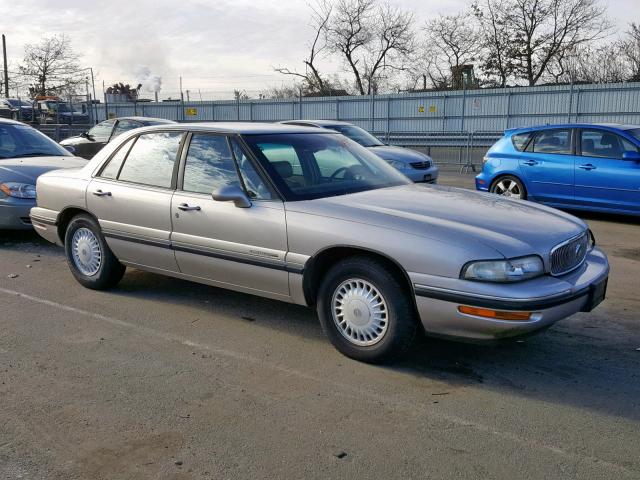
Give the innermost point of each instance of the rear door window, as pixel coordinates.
(113, 167)
(151, 159)
(552, 141)
(124, 126)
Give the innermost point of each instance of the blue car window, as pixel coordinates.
(603, 144)
(520, 140)
(552, 141)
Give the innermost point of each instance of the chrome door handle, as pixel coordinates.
(186, 208)
(530, 162)
(100, 193)
(588, 166)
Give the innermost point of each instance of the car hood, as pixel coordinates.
(390, 152)
(71, 140)
(455, 216)
(29, 169)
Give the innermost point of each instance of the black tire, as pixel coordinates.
(110, 270)
(400, 312)
(509, 179)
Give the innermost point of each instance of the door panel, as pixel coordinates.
(136, 221)
(603, 178)
(547, 166)
(245, 247)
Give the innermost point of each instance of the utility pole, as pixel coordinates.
(6, 70)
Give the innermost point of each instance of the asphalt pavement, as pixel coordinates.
(166, 379)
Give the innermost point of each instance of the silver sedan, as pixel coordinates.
(307, 216)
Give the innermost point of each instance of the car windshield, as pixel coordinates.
(306, 166)
(24, 141)
(357, 134)
(60, 107)
(635, 132)
(18, 103)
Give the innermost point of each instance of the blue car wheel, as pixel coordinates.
(509, 186)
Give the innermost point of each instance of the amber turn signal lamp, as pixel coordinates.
(494, 314)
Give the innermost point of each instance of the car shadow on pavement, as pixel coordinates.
(589, 361)
(579, 362)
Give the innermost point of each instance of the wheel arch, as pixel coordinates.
(509, 173)
(66, 215)
(320, 263)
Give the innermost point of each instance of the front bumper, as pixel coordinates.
(549, 299)
(14, 213)
(428, 175)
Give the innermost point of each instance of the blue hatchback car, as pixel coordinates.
(577, 166)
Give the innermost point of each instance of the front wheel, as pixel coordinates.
(366, 311)
(509, 186)
(90, 259)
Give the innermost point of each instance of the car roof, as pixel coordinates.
(316, 123)
(242, 128)
(146, 119)
(618, 126)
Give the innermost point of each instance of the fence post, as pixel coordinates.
(337, 108)
(577, 104)
(444, 113)
(388, 117)
(372, 112)
(508, 108)
(464, 105)
(570, 103)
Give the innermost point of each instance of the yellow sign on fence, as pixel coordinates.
(432, 109)
(420, 109)
(191, 112)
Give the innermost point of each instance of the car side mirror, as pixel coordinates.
(631, 156)
(232, 193)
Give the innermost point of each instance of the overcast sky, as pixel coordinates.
(215, 45)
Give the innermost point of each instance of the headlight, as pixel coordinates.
(396, 164)
(511, 270)
(18, 190)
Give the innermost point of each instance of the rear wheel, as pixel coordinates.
(366, 311)
(509, 186)
(90, 259)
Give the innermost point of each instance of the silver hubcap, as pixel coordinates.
(507, 188)
(86, 252)
(359, 312)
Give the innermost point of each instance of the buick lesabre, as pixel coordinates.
(307, 216)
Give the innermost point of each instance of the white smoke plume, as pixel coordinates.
(150, 83)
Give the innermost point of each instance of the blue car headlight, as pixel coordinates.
(396, 164)
(509, 270)
(18, 190)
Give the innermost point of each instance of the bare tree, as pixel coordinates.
(591, 64)
(452, 41)
(545, 30)
(372, 39)
(630, 48)
(496, 38)
(50, 66)
(312, 79)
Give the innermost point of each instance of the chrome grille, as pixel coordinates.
(569, 255)
(421, 165)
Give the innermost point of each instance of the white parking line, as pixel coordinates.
(349, 388)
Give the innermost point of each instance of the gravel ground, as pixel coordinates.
(165, 379)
